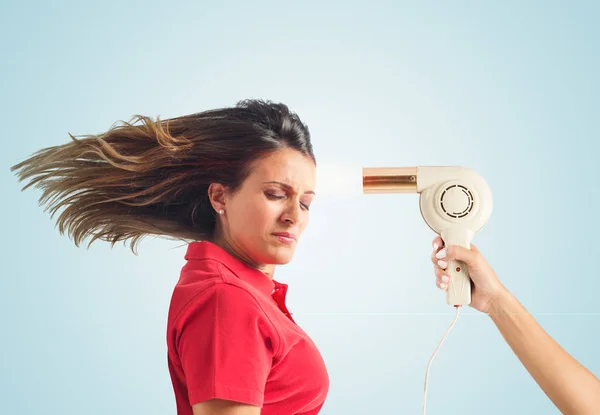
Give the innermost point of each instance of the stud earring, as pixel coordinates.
(221, 212)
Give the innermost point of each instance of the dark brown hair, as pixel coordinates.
(146, 177)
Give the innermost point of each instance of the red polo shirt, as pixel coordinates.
(230, 336)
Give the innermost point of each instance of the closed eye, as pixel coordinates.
(278, 197)
(274, 196)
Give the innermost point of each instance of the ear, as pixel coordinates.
(217, 195)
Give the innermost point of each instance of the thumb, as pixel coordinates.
(461, 253)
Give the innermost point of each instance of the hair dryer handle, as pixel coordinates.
(459, 288)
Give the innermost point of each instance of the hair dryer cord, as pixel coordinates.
(432, 357)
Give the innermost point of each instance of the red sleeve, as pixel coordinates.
(226, 346)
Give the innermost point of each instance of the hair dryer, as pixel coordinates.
(455, 202)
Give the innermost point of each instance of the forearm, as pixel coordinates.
(572, 388)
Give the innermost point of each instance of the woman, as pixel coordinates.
(237, 183)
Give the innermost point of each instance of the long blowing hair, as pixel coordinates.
(151, 177)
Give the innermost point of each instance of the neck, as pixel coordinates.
(267, 269)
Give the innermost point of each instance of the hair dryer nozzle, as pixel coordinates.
(389, 180)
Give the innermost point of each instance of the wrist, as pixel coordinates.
(501, 303)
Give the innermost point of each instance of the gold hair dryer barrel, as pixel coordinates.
(390, 180)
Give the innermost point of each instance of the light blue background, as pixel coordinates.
(507, 88)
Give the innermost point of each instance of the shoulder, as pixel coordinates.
(230, 312)
(224, 294)
(211, 281)
(223, 300)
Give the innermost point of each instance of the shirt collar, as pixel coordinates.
(209, 250)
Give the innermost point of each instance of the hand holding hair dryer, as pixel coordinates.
(455, 202)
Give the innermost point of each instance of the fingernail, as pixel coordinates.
(435, 246)
(442, 264)
(445, 278)
(443, 286)
(441, 254)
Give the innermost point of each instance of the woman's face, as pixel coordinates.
(274, 199)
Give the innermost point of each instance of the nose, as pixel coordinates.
(292, 214)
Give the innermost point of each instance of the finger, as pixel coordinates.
(442, 278)
(455, 252)
(442, 263)
(440, 284)
(434, 260)
(437, 243)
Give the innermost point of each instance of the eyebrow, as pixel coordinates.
(287, 186)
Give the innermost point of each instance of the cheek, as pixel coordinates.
(266, 215)
(257, 218)
(305, 221)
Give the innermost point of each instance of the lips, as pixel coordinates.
(285, 235)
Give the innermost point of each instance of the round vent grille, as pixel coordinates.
(456, 201)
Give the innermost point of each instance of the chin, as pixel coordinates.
(281, 258)
(279, 255)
